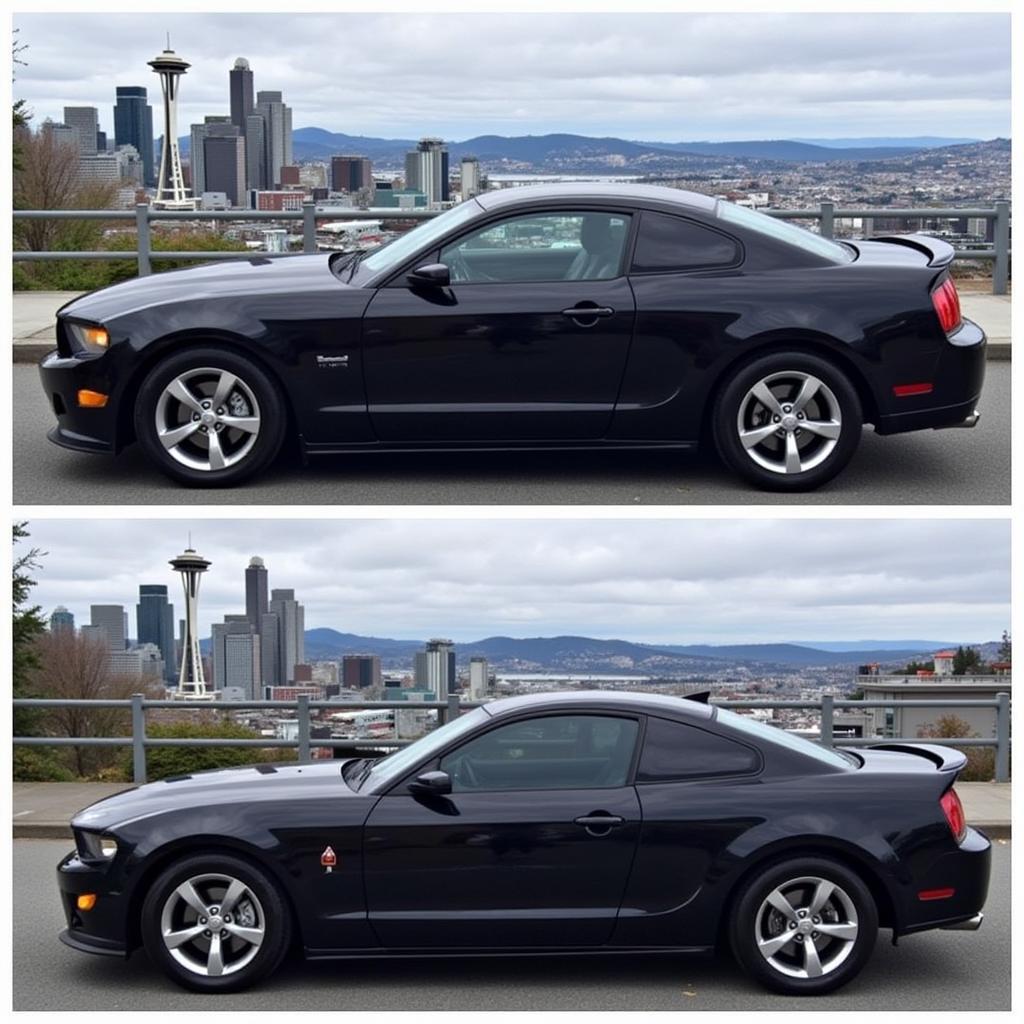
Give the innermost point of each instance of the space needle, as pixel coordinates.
(171, 193)
(191, 685)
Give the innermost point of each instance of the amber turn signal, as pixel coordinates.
(86, 901)
(91, 399)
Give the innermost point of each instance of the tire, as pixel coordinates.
(250, 945)
(758, 926)
(770, 457)
(171, 401)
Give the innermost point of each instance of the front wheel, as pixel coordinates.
(209, 418)
(804, 927)
(215, 923)
(787, 421)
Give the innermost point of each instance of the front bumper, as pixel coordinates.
(100, 930)
(82, 430)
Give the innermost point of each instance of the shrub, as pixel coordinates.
(981, 761)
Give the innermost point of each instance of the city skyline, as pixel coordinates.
(667, 77)
(654, 581)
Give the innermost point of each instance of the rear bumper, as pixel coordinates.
(970, 924)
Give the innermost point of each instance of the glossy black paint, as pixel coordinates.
(501, 365)
(510, 871)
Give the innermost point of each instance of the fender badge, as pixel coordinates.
(328, 860)
(331, 362)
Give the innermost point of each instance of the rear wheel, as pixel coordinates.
(804, 927)
(787, 421)
(209, 418)
(215, 923)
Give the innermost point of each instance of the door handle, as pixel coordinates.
(599, 824)
(588, 313)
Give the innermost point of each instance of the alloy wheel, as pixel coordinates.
(207, 419)
(213, 925)
(789, 422)
(806, 927)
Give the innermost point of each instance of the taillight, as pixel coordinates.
(954, 812)
(947, 305)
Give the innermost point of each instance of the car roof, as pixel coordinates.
(588, 190)
(618, 700)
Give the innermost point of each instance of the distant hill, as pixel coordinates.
(786, 150)
(795, 654)
(873, 142)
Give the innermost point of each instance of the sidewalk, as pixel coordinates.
(34, 316)
(42, 810)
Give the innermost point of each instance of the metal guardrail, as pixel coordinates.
(452, 707)
(826, 214)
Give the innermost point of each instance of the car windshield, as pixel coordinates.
(391, 768)
(783, 231)
(389, 257)
(750, 725)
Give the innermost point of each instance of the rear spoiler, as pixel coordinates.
(945, 759)
(939, 253)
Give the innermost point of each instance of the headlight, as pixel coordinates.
(92, 846)
(90, 337)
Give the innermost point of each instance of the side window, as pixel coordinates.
(673, 750)
(551, 752)
(673, 243)
(541, 247)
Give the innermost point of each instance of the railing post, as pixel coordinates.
(303, 719)
(453, 707)
(827, 712)
(142, 238)
(309, 227)
(828, 220)
(1001, 270)
(138, 739)
(1003, 737)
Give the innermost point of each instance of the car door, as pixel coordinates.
(532, 847)
(528, 343)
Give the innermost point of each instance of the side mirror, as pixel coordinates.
(435, 275)
(431, 784)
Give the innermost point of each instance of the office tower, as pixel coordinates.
(469, 178)
(236, 655)
(133, 126)
(110, 619)
(277, 133)
(170, 190)
(59, 134)
(360, 671)
(291, 642)
(240, 79)
(255, 152)
(197, 137)
(224, 162)
(85, 121)
(191, 684)
(351, 173)
(426, 169)
(270, 650)
(101, 142)
(154, 617)
(479, 678)
(62, 621)
(255, 592)
(435, 668)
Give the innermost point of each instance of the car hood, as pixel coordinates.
(227, 785)
(259, 275)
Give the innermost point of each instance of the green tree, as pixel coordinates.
(967, 662)
(1006, 648)
(981, 761)
(19, 110)
(913, 667)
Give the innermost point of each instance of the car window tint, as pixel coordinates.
(673, 243)
(552, 752)
(674, 750)
(560, 246)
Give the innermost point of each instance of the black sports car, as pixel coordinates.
(586, 316)
(568, 822)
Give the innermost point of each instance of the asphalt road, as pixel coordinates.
(930, 467)
(933, 971)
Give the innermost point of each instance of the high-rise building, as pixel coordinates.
(270, 649)
(154, 623)
(291, 641)
(61, 620)
(133, 126)
(240, 79)
(59, 134)
(236, 655)
(110, 619)
(255, 592)
(277, 134)
(469, 178)
(170, 188)
(360, 671)
(435, 668)
(479, 678)
(426, 169)
(224, 162)
(196, 149)
(351, 173)
(255, 152)
(85, 121)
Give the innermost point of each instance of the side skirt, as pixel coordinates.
(310, 448)
(433, 954)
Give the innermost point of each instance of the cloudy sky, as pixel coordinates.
(667, 581)
(639, 76)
